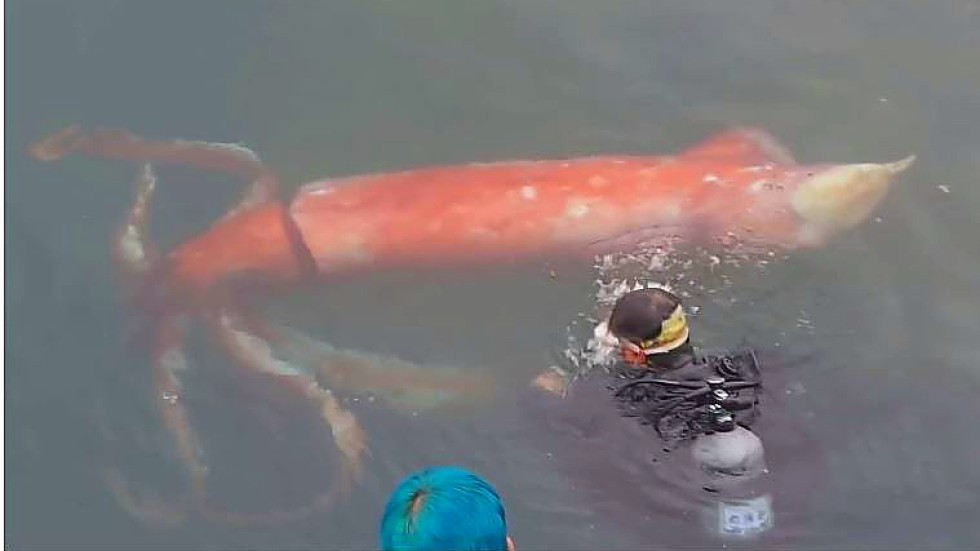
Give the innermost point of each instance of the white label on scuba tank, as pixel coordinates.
(744, 518)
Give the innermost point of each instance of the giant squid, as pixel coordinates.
(739, 186)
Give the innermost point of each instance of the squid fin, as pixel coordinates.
(743, 145)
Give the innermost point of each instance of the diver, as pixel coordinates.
(685, 396)
(691, 420)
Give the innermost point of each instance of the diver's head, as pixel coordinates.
(649, 322)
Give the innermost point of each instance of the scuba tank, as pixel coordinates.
(725, 447)
(731, 459)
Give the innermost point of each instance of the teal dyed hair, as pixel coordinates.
(444, 509)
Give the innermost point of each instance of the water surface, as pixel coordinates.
(890, 315)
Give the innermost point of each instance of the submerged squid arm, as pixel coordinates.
(169, 362)
(110, 143)
(402, 384)
(135, 256)
(250, 351)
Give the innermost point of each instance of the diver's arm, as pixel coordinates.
(553, 380)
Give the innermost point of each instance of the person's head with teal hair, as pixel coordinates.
(444, 508)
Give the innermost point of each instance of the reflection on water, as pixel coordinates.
(886, 316)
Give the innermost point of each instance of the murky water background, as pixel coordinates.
(890, 315)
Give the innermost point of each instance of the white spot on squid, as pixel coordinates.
(529, 192)
(132, 248)
(711, 178)
(598, 181)
(482, 233)
(322, 191)
(757, 186)
(576, 208)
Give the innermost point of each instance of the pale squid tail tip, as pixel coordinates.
(901, 165)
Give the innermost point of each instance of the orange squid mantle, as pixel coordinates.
(510, 209)
(740, 184)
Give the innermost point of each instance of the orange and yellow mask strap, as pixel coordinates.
(674, 332)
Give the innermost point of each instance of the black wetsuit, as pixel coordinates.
(666, 396)
(650, 485)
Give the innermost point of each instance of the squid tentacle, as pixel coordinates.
(136, 256)
(149, 508)
(169, 362)
(143, 266)
(401, 384)
(110, 143)
(253, 352)
(137, 259)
